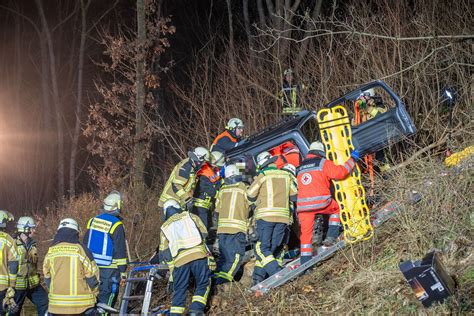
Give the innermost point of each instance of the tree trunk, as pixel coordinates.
(231, 31)
(261, 13)
(310, 26)
(56, 100)
(77, 126)
(19, 72)
(140, 96)
(248, 31)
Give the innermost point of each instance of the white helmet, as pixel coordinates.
(234, 123)
(170, 203)
(263, 157)
(218, 159)
(113, 202)
(288, 71)
(231, 171)
(68, 223)
(200, 154)
(25, 223)
(5, 217)
(290, 168)
(316, 146)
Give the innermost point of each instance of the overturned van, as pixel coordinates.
(302, 128)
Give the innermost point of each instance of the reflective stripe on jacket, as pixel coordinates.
(28, 276)
(271, 191)
(223, 142)
(314, 180)
(68, 271)
(180, 184)
(9, 261)
(103, 243)
(233, 209)
(184, 256)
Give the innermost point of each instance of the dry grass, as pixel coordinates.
(141, 219)
(365, 279)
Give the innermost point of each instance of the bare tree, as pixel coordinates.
(140, 94)
(56, 98)
(79, 93)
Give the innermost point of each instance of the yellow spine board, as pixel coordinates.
(336, 136)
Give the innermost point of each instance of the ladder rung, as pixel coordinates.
(136, 279)
(133, 297)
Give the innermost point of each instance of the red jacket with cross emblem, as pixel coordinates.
(314, 180)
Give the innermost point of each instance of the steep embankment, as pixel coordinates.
(365, 278)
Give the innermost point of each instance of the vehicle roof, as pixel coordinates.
(277, 129)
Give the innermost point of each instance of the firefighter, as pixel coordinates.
(9, 267)
(70, 273)
(182, 243)
(271, 191)
(368, 106)
(208, 182)
(314, 196)
(105, 238)
(229, 138)
(290, 94)
(182, 181)
(28, 278)
(232, 208)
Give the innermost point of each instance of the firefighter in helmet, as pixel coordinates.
(182, 181)
(105, 238)
(28, 278)
(228, 139)
(70, 273)
(9, 265)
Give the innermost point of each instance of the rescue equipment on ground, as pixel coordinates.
(428, 279)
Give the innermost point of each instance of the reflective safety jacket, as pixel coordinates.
(105, 238)
(271, 191)
(290, 98)
(28, 276)
(207, 185)
(314, 181)
(181, 183)
(224, 142)
(9, 259)
(233, 209)
(182, 239)
(72, 278)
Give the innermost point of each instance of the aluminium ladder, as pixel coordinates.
(133, 278)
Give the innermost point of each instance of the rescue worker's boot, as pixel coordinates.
(331, 237)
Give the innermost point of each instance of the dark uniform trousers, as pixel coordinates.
(109, 286)
(199, 269)
(232, 252)
(271, 237)
(37, 296)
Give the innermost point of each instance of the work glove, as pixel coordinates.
(8, 303)
(211, 262)
(123, 278)
(355, 155)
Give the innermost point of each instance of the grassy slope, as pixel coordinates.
(365, 277)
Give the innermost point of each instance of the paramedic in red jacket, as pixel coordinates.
(314, 196)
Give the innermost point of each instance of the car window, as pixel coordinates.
(310, 130)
